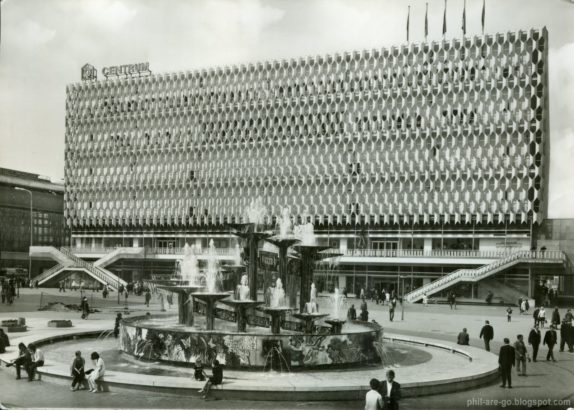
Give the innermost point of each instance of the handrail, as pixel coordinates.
(486, 270)
(97, 271)
(47, 273)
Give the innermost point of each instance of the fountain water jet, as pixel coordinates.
(337, 302)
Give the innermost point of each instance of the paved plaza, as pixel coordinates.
(546, 383)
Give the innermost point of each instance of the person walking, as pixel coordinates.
(506, 359)
(373, 399)
(117, 325)
(425, 300)
(555, 317)
(550, 339)
(535, 315)
(352, 313)
(97, 372)
(463, 338)
(392, 305)
(85, 308)
(487, 334)
(542, 316)
(521, 354)
(391, 392)
(147, 297)
(509, 314)
(565, 331)
(78, 372)
(534, 339)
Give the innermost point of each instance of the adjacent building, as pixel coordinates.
(414, 161)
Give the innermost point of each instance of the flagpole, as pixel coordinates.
(483, 14)
(444, 21)
(464, 20)
(408, 22)
(426, 22)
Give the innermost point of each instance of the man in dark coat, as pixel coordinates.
(550, 339)
(535, 315)
(487, 334)
(506, 358)
(391, 392)
(556, 317)
(534, 339)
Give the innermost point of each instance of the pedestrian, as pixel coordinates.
(198, 372)
(362, 294)
(550, 339)
(96, 373)
(78, 372)
(85, 308)
(425, 300)
(364, 316)
(390, 391)
(352, 313)
(521, 354)
(506, 359)
(520, 305)
(487, 334)
(542, 316)
(4, 286)
(117, 325)
(555, 317)
(526, 305)
(392, 304)
(565, 331)
(4, 338)
(534, 339)
(23, 360)
(463, 338)
(215, 379)
(37, 360)
(509, 314)
(568, 317)
(147, 297)
(535, 315)
(373, 399)
(105, 292)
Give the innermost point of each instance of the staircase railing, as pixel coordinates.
(106, 276)
(47, 273)
(473, 275)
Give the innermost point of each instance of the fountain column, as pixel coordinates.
(253, 244)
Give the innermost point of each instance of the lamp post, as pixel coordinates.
(31, 232)
(402, 297)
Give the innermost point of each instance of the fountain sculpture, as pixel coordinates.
(337, 301)
(283, 242)
(277, 307)
(311, 313)
(189, 272)
(211, 295)
(242, 303)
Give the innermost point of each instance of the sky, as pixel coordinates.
(44, 43)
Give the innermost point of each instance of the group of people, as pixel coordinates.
(383, 394)
(78, 372)
(9, 290)
(29, 358)
(381, 296)
(215, 379)
(517, 354)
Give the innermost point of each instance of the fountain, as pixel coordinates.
(211, 295)
(283, 242)
(311, 313)
(277, 307)
(242, 303)
(188, 284)
(310, 253)
(238, 346)
(255, 214)
(337, 301)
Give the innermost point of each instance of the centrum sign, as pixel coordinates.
(127, 70)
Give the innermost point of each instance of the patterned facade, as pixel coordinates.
(450, 132)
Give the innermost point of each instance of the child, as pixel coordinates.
(198, 373)
(215, 379)
(77, 371)
(509, 313)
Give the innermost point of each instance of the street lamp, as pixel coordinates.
(402, 297)
(31, 232)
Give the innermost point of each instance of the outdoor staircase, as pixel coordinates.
(486, 271)
(119, 253)
(67, 261)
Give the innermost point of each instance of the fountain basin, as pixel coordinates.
(163, 339)
(309, 319)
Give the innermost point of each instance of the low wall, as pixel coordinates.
(244, 351)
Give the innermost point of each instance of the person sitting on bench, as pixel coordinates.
(37, 360)
(97, 373)
(216, 379)
(24, 359)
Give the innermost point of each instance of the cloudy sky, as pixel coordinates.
(45, 42)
